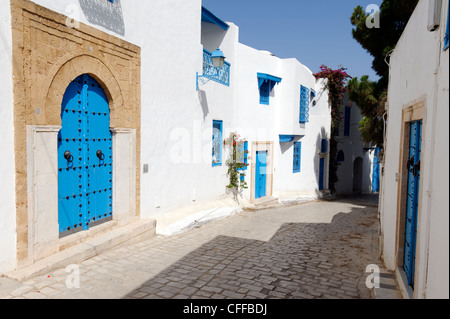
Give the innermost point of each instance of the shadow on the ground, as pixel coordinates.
(300, 261)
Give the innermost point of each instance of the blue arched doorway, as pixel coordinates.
(84, 157)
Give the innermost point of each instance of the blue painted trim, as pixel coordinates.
(347, 118)
(297, 157)
(324, 146)
(261, 174)
(219, 75)
(288, 138)
(376, 172)
(217, 125)
(244, 149)
(341, 156)
(268, 77)
(321, 174)
(217, 54)
(266, 83)
(208, 16)
(446, 38)
(305, 99)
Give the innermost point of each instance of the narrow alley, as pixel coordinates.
(319, 249)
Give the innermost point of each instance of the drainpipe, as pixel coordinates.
(381, 197)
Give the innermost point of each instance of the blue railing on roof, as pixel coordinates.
(220, 75)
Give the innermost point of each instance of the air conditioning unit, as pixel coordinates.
(434, 14)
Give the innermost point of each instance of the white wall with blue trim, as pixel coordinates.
(420, 75)
(177, 119)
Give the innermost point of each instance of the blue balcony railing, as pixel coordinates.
(220, 75)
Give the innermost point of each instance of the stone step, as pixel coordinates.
(388, 288)
(264, 203)
(132, 233)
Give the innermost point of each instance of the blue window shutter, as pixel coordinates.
(324, 146)
(304, 104)
(348, 113)
(217, 143)
(243, 156)
(446, 39)
(340, 156)
(266, 83)
(264, 93)
(297, 157)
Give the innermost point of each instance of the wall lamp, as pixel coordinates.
(218, 60)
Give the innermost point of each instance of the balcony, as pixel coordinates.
(219, 75)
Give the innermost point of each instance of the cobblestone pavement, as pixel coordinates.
(314, 250)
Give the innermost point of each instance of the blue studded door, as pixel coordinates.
(412, 200)
(261, 174)
(84, 157)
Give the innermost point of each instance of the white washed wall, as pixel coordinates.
(169, 34)
(353, 147)
(420, 72)
(176, 126)
(7, 189)
(259, 122)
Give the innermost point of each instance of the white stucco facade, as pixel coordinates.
(419, 90)
(7, 191)
(176, 176)
(352, 177)
(259, 122)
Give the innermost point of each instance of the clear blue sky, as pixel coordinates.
(315, 32)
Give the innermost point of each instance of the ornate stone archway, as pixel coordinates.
(68, 71)
(47, 55)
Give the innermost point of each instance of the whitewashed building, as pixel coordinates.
(414, 203)
(359, 168)
(114, 120)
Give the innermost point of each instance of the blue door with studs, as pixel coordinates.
(84, 157)
(261, 174)
(412, 200)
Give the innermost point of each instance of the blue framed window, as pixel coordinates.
(217, 139)
(266, 83)
(243, 155)
(305, 98)
(313, 94)
(324, 146)
(264, 93)
(341, 156)
(347, 117)
(446, 30)
(297, 157)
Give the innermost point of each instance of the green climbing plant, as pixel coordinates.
(235, 162)
(336, 85)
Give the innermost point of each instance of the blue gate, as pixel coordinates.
(84, 157)
(412, 201)
(260, 174)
